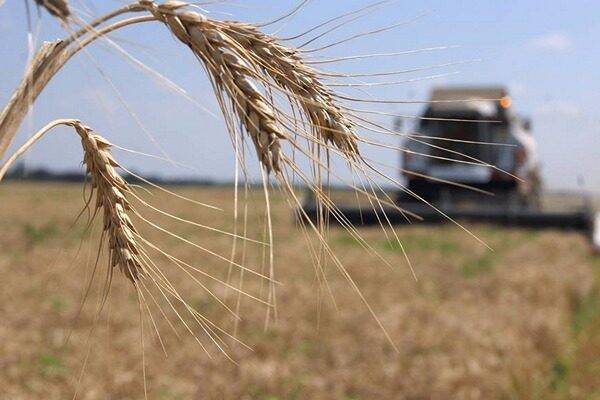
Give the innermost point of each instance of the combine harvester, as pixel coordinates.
(447, 172)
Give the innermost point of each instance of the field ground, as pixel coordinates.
(522, 322)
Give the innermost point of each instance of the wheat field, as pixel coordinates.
(124, 290)
(520, 322)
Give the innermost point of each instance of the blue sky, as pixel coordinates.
(545, 52)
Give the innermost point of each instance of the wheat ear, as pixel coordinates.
(287, 68)
(238, 56)
(230, 74)
(110, 190)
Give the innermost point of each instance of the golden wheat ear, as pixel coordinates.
(130, 251)
(111, 191)
(111, 196)
(239, 58)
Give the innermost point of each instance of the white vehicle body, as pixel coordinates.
(470, 136)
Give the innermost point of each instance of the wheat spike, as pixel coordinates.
(237, 56)
(231, 75)
(287, 68)
(111, 190)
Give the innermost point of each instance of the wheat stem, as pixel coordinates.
(48, 60)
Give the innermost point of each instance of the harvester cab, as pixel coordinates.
(468, 137)
(468, 143)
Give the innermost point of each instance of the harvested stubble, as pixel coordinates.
(484, 337)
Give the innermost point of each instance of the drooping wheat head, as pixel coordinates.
(239, 58)
(231, 76)
(111, 191)
(286, 67)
